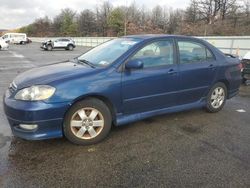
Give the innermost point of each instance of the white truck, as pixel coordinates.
(15, 38)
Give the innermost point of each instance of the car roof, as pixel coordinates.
(155, 36)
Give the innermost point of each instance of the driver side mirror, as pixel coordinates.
(134, 64)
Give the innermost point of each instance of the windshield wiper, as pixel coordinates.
(85, 62)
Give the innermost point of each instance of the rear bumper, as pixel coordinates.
(48, 118)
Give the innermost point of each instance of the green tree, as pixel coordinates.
(116, 21)
(65, 23)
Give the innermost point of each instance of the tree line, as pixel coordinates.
(201, 17)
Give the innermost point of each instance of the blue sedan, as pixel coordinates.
(121, 81)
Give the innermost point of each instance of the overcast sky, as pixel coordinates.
(17, 13)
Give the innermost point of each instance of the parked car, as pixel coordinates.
(63, 43)
(246, 67)
(3, 45)
(121, 81)
(15, 38)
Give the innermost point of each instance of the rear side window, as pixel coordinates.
(156, 54)
(193, 52)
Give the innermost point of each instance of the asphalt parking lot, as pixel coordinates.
(187, 149)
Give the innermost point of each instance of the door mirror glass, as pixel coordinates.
(134, 64)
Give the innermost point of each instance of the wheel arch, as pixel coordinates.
(70, 45)
(102, 98)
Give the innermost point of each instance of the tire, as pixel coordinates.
(49, 47)
(70, 47)
(82, 129)
(0, 47)
(216, 97)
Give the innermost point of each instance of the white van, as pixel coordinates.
(15, 38)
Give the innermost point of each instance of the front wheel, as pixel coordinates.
(87, 122)
(49, 48)
(216, 98)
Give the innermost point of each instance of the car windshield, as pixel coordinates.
(108, 52)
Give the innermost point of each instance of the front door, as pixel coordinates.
(154, 86)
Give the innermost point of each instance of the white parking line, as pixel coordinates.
(241, 110)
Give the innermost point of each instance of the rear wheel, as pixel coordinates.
(87, 122)
(216, 97)
(70, 47)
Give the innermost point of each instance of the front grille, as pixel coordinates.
(12, 87)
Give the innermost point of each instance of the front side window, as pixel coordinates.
(193, 52)
(157, 53)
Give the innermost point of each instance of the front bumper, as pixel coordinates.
(43, 46)
(48, 117)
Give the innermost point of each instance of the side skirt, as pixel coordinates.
(129, 118)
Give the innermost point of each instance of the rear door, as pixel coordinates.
(65, 42)
(154, 86)
(197, 69)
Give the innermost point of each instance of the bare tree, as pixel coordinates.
(86, 23)
(220, 17)
(247, 8)
(227, 6)
(102, 13)
(192, 12)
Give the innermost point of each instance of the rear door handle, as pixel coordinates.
(172, 71)
(211, 65)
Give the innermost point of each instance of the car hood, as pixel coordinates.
(45, 41)
(50, 73)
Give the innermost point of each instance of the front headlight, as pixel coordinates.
(35, 93)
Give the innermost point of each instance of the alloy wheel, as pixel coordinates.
(87, 123)
(217, 97)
